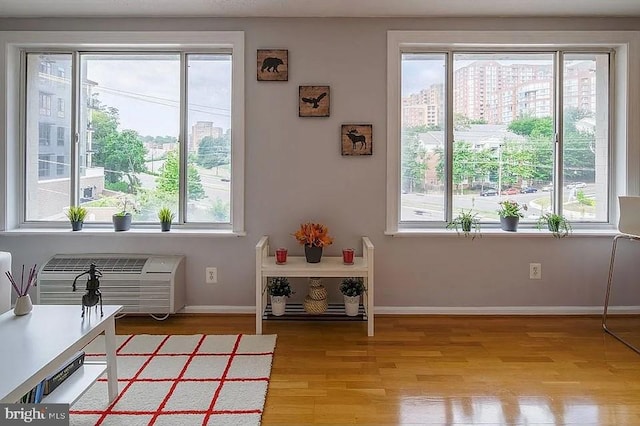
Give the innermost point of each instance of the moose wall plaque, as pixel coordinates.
(356, 139)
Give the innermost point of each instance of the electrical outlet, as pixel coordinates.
(211, 275)
(535, 271)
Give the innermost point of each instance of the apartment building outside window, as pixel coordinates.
(44, 165)
(531, 125)
(60, 165)
(61, 139)
(131, 124)
(44, 134)
(61, 107)
(45, 104)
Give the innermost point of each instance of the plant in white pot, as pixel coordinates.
(352, 289)
(279, 290)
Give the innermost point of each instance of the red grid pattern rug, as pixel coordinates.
(181, 380)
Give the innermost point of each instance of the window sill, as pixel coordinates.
(497, 232)
(147, 232)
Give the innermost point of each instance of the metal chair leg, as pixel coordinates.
(606, 299)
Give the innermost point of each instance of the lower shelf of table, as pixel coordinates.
(295, 311)
(76, 384)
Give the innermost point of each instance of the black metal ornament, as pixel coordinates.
(92, 296)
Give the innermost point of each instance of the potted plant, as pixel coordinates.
(465, 221)
(352, 288)
(76, 215)
(510, 213)
(279, 289)
(166, 217)
(122, 219)
(556, 223)
(314, 236)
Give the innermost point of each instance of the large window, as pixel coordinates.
(154, 127)
(484, 124)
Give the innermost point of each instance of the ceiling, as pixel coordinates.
(319, 8)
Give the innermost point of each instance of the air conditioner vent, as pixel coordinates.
(141, 283)
(79, 264)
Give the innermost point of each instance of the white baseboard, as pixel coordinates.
(504, 310)
(454, 310)
(218, 309)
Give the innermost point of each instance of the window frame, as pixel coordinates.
(623, 170)
(12, 46)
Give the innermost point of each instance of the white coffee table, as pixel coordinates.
(35, 345)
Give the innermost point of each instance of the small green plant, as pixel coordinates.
(279, 286)
(511, 209)
(352, 286)
(465, 221)
(556, 223)
(76, 213)
(126, 205)
(165, 215)
(584, 200)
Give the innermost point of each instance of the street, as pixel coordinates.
(430, 207)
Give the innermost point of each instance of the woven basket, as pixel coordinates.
(317, 292)
(314, 306)
(314, 282)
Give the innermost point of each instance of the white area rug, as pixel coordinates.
(181, 380)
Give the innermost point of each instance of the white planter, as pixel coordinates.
(352, 305)
(23, 305)
(278, 304)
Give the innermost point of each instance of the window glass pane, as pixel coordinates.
(503, 132)
(129, 147)
(47, 185)
(422, 139)
(209, 120)
(61, 165)
(586, 136)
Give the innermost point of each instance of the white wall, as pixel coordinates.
(295, 173)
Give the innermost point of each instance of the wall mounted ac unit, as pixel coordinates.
(142, 284)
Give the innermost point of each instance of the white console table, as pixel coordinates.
(37, 344)
(297, 266)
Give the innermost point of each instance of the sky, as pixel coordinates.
(146, 92)
(419, 71)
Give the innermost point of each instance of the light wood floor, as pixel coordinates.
(438, 370)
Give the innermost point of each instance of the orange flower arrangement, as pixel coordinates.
(313, 234)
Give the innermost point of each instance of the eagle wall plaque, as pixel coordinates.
(313, 101)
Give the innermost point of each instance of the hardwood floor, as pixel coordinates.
(438, 370)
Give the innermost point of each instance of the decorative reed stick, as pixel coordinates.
(23, 290)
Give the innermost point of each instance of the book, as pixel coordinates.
(68, 368)
(39, 392)
(34, 396)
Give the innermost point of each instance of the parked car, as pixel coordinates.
(576, 185)
(547, 188)
(510, 191)
(488, 192)
(528, 190)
